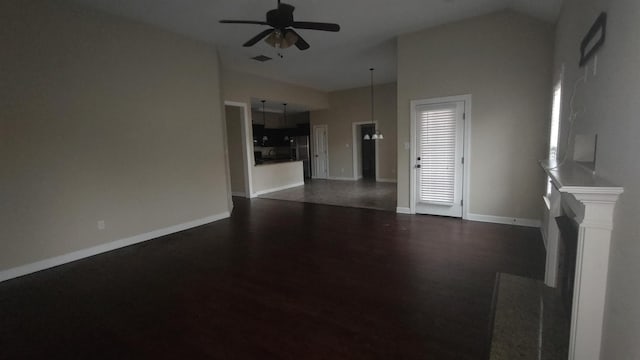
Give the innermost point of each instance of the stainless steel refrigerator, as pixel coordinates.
(300, 151)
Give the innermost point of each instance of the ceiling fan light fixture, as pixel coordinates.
(278, 41)
(281, 33)
(290, 38)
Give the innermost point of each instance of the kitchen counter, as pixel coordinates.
(270, 161)
(277, 175)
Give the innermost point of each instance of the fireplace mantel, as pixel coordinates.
(590, 200)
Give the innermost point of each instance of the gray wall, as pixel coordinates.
(102, 119)
(504, 61)
(608, 106)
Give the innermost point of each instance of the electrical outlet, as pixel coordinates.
(101, 225)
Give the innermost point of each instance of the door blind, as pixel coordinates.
(437, 152)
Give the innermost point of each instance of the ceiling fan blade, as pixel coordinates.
(301, 44)
(257, 38)
(315, 26)
(243, 22)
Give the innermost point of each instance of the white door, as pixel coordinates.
(439, 158)
(320, 153)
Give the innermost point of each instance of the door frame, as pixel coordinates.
(247, 147)
(466, 148)
(355, 145)
(314, 174)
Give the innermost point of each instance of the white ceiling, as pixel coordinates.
(335, 60)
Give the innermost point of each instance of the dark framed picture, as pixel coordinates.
(594, 39)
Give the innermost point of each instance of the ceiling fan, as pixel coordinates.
(281, 35)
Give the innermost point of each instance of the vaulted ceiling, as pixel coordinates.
(335, 60)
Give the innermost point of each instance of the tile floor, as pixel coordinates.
(359, 194)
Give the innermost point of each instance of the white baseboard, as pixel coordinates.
(238, 193)
(95, 250)
(386, 180)
(403, 210)
(341, 178)
(285, 187)
(504, 220)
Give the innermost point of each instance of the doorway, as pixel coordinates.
(365, 152)
(368, 153)
(237, 152)
(438, 139)
(320, 152)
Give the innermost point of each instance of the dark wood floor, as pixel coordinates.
(278, 280)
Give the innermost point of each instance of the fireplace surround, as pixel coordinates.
(588, 200)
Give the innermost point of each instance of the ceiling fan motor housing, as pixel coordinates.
(280, 18)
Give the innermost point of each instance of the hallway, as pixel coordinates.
(358, 194)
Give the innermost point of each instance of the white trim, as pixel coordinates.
(247, 142)
(99, 249)
(354, 146)
(466, 176)
(466, 179)
(225, 150)
(547, 202)
(285, 187)
(504, 220)
(384, 180)
(403, 210)
(238, 193)
(313, 145)
(340, 178)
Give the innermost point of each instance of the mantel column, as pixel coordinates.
(592, 265)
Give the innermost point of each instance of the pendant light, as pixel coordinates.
(264, 121)
(377, 135)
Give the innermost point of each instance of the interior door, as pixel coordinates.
(320, 153)
(439, 158)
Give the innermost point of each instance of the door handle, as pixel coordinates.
(417, 166)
